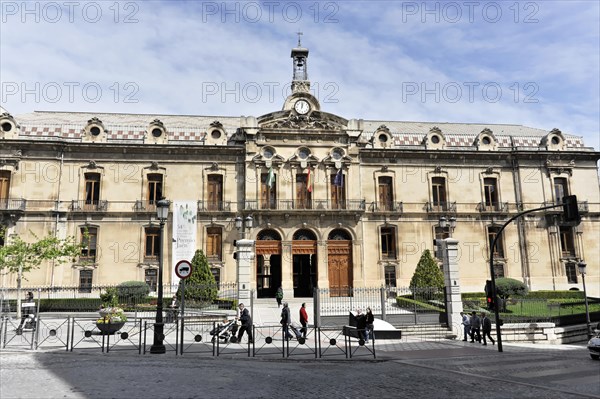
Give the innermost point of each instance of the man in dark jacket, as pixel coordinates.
(286, 319)
(246, 321)
(475, 327)
(486, 328)
(361, 324)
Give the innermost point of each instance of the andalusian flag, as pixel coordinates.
(270, 178)
(309, 181)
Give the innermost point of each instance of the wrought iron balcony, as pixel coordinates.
(436, 207)
(214, 206)
(12, 204)
(494, 207)
(89, 206)
(306, 205)
(392, 207)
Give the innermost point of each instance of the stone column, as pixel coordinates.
(452, 281)
(245, 257)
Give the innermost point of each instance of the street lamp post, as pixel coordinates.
(450, 223)
(582, 268)
(242, 225)
(162, 212)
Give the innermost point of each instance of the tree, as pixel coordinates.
(507, 287)
(19, 256)
(201, 286)
(427, 274)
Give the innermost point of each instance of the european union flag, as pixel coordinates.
(338, 180)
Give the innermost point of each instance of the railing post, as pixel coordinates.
(383, 302)
(316, 307)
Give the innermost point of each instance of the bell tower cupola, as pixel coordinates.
(300, 82)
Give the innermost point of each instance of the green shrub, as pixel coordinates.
(427, 274)
(200, 287)
(132, 291)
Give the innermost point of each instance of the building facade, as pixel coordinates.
(335, 202)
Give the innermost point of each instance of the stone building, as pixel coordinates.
(335, 202)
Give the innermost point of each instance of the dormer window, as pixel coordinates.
(486, 140)
(555, 140)
(95, 131)
(156, 132)
(6, 126)
(435, 139)
(215, 134)
(383, 138)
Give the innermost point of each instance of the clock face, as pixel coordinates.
(302, 107)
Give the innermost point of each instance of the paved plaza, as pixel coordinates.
(409, 367)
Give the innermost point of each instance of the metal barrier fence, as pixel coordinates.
(181, 337)
(401, 304)
(132, 299)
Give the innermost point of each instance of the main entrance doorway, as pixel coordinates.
(268, 263)
(304, 263)
(339, 260)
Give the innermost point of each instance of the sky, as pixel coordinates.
(532, 63)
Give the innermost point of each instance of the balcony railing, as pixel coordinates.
(299, 205)
(214, 206)
(440, 207)
(89, 206)
(494, 207)
(12, 204)
(397, 207)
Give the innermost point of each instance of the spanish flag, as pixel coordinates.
(309, 181)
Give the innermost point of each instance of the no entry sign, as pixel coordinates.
(183, 269)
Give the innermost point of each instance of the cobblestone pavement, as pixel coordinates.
(446, 369)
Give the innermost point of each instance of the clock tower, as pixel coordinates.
(300, 82)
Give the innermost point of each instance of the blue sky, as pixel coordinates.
(530, 63)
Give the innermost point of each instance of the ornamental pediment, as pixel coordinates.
(314, 121)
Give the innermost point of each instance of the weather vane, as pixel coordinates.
(299, 34)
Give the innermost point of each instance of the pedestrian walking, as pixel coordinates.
(369, 319)
(286, 319)
(466, 325)
(279, 296)
(475, 327)
(303, 319)
(246, 321)
(486, 328)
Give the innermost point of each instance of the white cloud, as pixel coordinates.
(175, 51)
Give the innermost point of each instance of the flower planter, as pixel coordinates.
(110, 328)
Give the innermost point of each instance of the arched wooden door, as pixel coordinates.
(268, 263)
(339, 260)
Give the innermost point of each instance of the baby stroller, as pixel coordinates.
(294, 329)
(224, 331)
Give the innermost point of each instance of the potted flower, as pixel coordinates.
(112, 318)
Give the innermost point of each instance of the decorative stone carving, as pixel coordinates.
(303, 122)
(216, 124)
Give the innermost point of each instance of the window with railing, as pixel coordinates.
(439, 199)
(386, 193)
(152, 248)
(303, 192)
(268, 191)
(89, 240)
(155, 188)
(92, 190)
(4, 187)
(571, 272)
(151, 278)
(215, 192)
(338, 190)
(567, 242)
(85, 281)
(490, 192)
(213, 243)
(561, 189)
(388, 243)
(499, 248)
